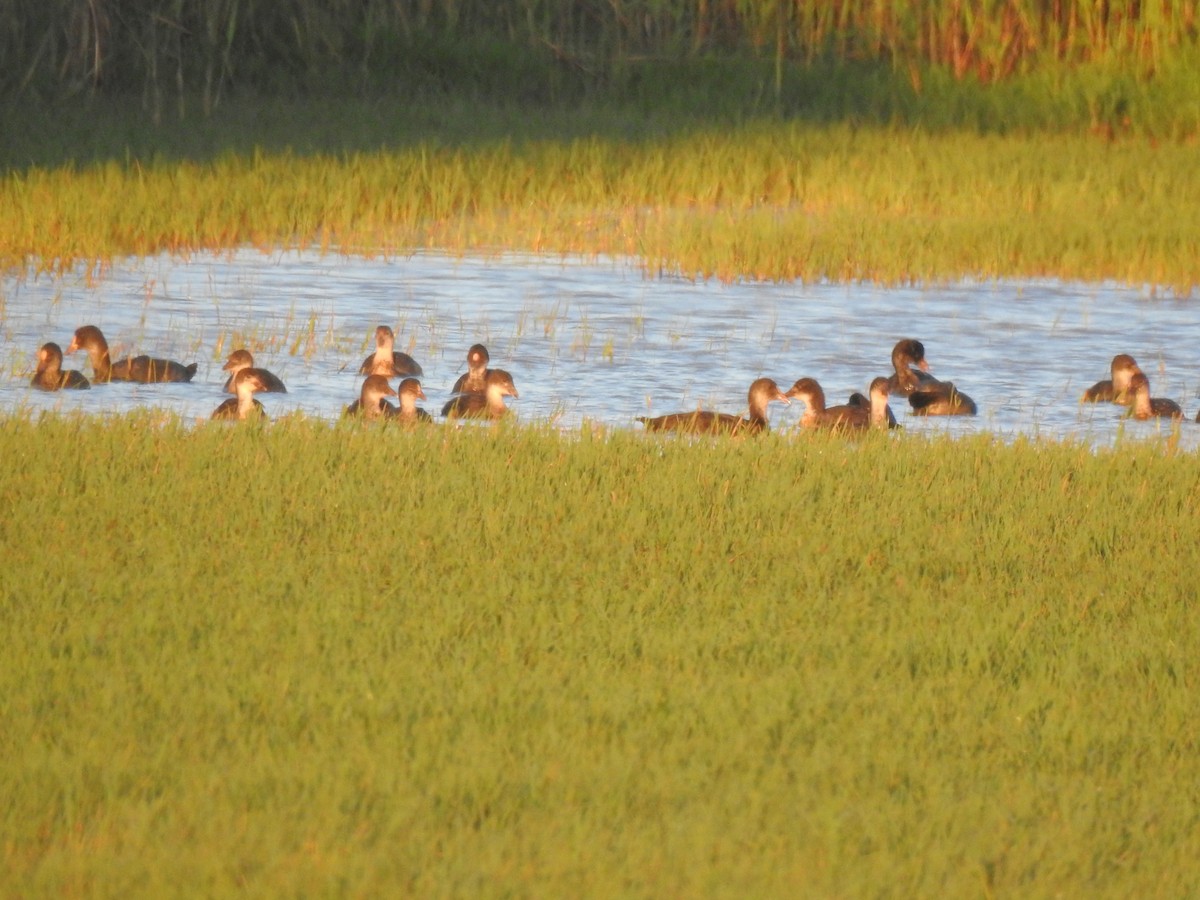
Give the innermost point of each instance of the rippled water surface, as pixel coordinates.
(598, 341)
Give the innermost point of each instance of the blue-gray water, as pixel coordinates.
(598, 341)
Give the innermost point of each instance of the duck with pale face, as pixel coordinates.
(485, 404)
(474, 380)
(240, 361)
(853, 416)
(372, 404)
(763, 391)
(409, 413)
(143, 369)
(386, 360)
(1116, 388)
(1143, 406)
(50, 375)
(243, 406)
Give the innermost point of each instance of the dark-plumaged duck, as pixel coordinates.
(1143, 406)
(240, 361)
(371, 403)
(1116, 388)
(409, 413)
(859, 413)
(485, 404)
(243, 406)
(474, 380)
(144, 369)
(762, 392)
(926, 395)
(50, 375)
(906, 355)
(387, 361)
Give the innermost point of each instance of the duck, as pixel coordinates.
(881, 412)
(944, 399)
(488, 403)
(245, 384)
(1116, 388)
(475, 378)
(240, 361)
(859, 413)
(50, 375)
(409, 413)
(1143, 406)
(762, 392)
(386, 361)
(371, 403)
(143, 369)
(906, 354)
(926, 395)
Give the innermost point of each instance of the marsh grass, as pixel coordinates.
(766, 201)
(335, 659)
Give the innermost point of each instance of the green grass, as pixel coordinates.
(327, 660)
(768, 200)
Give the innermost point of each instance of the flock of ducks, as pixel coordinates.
(480, 392)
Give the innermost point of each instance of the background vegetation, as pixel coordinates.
(738, 53)
(332, 660)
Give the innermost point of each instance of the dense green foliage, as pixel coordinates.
(307, 659)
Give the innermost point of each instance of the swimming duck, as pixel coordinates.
(762, 391)
(881, 413)
(1116, 388)
(144, 369)
(851, 416)
(371, 404)
(50, 375)
(240, 361)
(409, 413)
(486, 404)
(906, 354)
(926, 395)
(475, 378)
(941, 399)
(385, 360)
(1146, 407)
(243, 406)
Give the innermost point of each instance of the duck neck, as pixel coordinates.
(1141, 404)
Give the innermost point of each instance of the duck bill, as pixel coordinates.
(923, 365)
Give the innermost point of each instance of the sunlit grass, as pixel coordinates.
(767, 201)
(319, 658)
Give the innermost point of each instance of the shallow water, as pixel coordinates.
(596, 341)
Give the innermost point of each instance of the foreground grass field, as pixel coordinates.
(320, 660)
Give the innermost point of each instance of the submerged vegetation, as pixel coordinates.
(328, 659)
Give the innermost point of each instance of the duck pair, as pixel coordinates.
(372, 404)
(1129, 386)
(859, 413)
(927, 396)
(50, 375)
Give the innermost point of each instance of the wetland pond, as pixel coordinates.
(597, 341)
